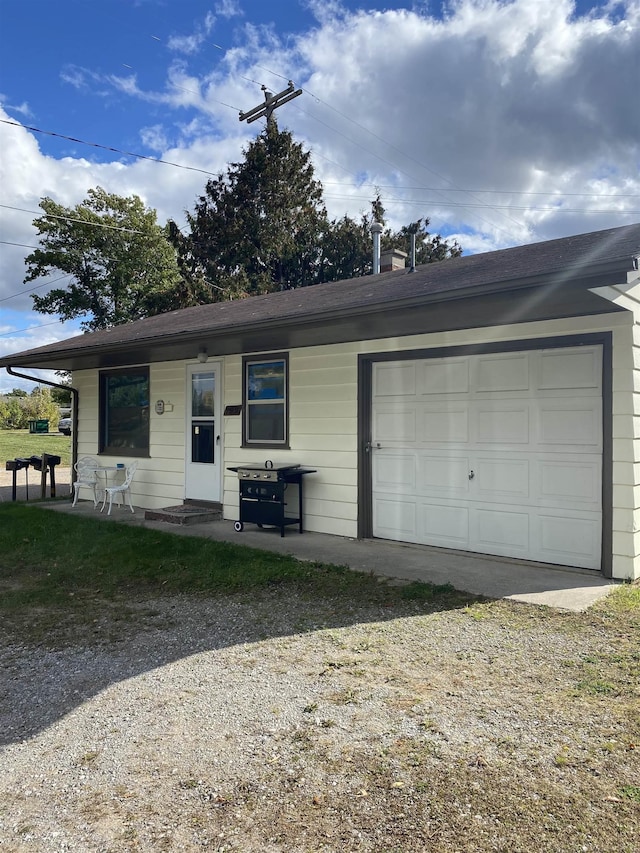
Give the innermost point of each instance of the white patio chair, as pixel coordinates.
(122, 489)
(86, 478)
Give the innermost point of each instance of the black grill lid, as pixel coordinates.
(266, 466)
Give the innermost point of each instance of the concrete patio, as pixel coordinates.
(494, 577)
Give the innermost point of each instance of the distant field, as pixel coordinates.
(20, 442)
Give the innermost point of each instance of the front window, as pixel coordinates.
(124, 411)
(265, 420)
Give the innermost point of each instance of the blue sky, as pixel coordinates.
(504, 122)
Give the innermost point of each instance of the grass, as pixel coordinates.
(50, 562)
(20, 442)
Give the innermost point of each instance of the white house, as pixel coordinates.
(488, 403)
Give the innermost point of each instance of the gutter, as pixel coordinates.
(75, 394)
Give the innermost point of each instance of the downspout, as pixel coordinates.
(74, 409)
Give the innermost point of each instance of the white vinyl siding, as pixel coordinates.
(324, 428)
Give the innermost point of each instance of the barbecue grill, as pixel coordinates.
(45, 464)
(263, 494)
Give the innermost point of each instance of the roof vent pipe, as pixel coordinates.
(376, 231)
(413, 252)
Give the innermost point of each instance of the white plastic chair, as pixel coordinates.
(122, 489)
(86, 477)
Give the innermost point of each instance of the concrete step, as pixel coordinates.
(184, 514)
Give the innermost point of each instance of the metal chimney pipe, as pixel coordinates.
(413, 253)
(376, 231)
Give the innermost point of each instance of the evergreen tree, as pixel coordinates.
(257, 228)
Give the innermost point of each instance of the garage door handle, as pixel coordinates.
(472, 474)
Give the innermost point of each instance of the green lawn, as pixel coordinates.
(65, 565)
(20, 442)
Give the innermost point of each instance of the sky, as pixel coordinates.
(503, 122)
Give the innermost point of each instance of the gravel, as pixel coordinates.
(270, 724)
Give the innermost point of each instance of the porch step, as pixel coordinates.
(185, 514)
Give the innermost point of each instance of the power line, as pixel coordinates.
(497, 192)
(29, 329)
(35, 287)
(466, 204)
(22, 245)
(109, 147)
(72, 219)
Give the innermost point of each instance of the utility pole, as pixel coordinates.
(271, 103)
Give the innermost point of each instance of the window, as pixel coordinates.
(124, 411)
(266, 404)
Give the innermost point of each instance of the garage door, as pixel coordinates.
(499, 453)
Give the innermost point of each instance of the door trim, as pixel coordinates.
(191, 368)
(365, 398)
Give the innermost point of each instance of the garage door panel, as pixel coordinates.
(502, 373)
(569, 540)
(395, 519)
(443, 424)
(571, 369)
(501, 479)
(577, 483)
(444, 376)
(394, 379)
(502, 424)
(572, 426)
(395, 471)
(396, 425)
(501, 530)
(445, 525)
(445, 475)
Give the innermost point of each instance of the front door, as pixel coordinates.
(204, 433)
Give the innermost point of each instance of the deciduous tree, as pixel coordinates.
(120, 263)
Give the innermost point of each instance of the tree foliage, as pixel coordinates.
(256, 228)
(120, 263)
(16, 410)
(263, 226)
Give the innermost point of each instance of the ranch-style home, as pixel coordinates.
(489, 403)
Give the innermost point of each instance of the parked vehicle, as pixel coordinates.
(64, 426)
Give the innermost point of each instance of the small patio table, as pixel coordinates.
(104, 471)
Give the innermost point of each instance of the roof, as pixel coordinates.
(566, 269)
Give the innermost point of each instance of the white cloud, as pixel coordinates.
(520, 104)
(228, 9)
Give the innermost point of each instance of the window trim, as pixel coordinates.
(264, 358)
(110, 450)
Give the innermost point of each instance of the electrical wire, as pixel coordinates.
(109, 147)
(29, 328)
(72, 219)
(22, 245)
(466, 204)
(35, 287)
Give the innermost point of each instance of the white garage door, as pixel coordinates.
(499, 453)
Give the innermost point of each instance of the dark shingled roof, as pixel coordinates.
(596, 258)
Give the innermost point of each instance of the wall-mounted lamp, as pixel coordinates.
(203, 355)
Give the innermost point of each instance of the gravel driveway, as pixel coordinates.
(270, 723)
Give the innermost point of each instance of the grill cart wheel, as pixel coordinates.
(238, 526)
